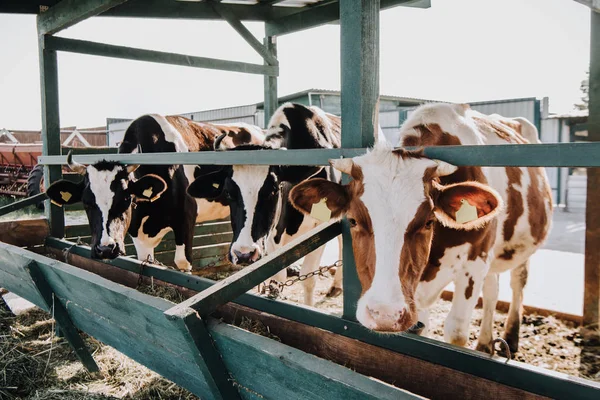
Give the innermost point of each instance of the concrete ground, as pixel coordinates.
(556, 273)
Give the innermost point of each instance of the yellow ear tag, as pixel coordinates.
(320, 210)
(216, 185)
(66, 196)
(466, 213)
(148, 192)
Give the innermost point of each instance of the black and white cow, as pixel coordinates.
(262, 217)
(158, 192)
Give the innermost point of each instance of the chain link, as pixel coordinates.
(274, 289)
(149, 261)
(214, 263)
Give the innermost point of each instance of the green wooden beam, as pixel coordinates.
(18, 205)
(591, 295)
(207, 357)
(515, 374)
(50, 130)
(60, 314)
(69, 12)
(128, 53)
(271, 101)
(195, 10)
(228, 15)
(229, 288)
(532, 155)
(328, 13)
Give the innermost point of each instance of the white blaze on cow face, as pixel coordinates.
(100, 182)
(393, 193)
(248, 182)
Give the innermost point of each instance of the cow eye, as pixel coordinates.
(352, 222)
(429, 224)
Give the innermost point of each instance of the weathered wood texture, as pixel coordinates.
(233, 286)
(135, 324)
(69, 12)
(591, 299)
(26, 232)
(129, 53)
(531, 155)
(270, 82)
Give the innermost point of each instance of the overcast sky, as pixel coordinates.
(458, 50)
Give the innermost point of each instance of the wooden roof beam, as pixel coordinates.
(69, 12)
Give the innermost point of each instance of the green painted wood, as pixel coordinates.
(197, 252)
(531, 155)
(67, 329)
(270, 82)
(296, 375)
(515, 374)
(50, 130)
(134, 323)
(359, 30)
(89, 150)
(207, 357)
(591, 295)
(15, 278)
(18, 205)
(240, 282)
(328, 13)
(129, 53)
(69, 12)
(195, 10)
(232, 19)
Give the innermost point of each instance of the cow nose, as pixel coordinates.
(110, 251)
(245, 258)
(386, 317)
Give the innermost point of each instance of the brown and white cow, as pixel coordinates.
(159, 192)
(409, 238)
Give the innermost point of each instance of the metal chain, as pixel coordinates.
(503, 344)
(214, 263)
(274, 289)
(67, 250)
(149, 261)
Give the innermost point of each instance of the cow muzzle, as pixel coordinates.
(110, 252)
(245, 256)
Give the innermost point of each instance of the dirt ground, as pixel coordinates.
(544, 341)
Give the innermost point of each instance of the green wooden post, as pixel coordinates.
(50, 130)
(591, 299)
(359, 20)
(69, 331)
(270, 81)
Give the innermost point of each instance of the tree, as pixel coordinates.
(585, 93)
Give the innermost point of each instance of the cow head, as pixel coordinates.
(106, 191)
(393, 205)
(253, 194)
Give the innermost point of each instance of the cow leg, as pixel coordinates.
(467, 287)
(336, 287)
(490, 298)
(428, 292)
(518, 280)
(311, 263)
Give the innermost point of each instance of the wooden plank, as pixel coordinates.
(591, 296)
(271, 102)
(359, 32)
(232, 19)
(531, 155)
(230, 288)
(207, 357)
(129, 53)
(18, 205)
(25, 232)
(320, 15)
(67, 329)
(50, 130)
(417, 376)
(287, 373)
(69, 12)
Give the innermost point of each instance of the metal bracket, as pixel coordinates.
(68, 330)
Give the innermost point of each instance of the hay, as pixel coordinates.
(166, 292)
(257, 327)
(35, 365)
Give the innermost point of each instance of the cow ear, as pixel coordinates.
(295, 173)
(65, 192)
(148, 188)
(209, 183)
(314, 191)
(465, 205)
